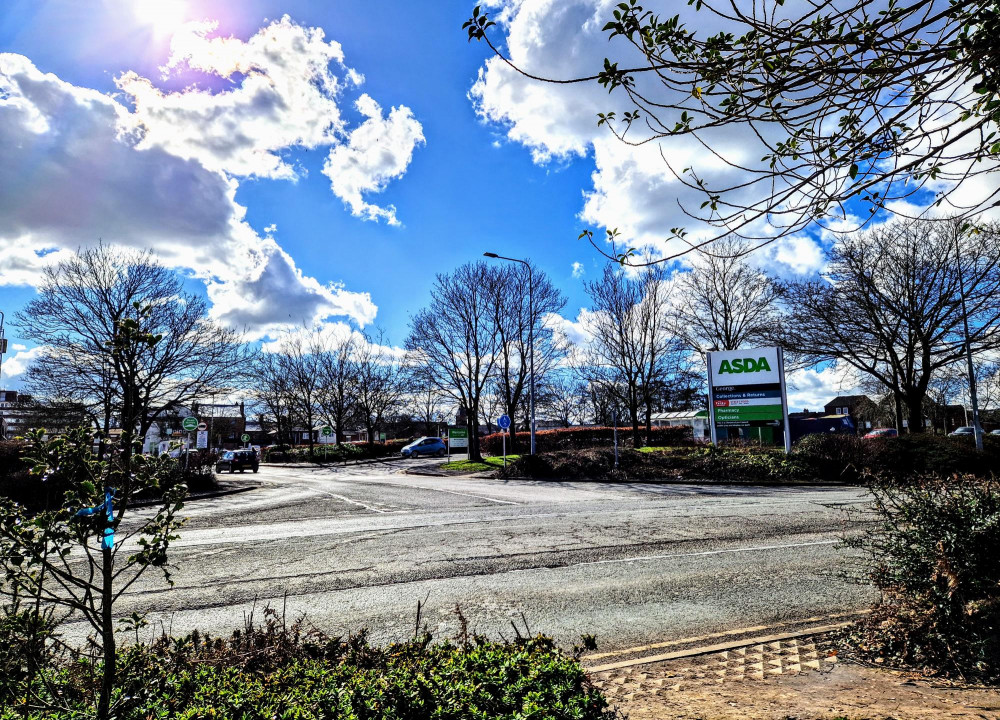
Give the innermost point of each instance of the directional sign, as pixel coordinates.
(327, 431)
(458, 438)
(244, 438)
(190, 423)
(503, 422)
(202, 442)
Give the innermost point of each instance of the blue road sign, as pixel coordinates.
(504, 422)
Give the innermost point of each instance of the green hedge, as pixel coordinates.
(577, 438)
(274, 673)
(333, 453)
(830, 458)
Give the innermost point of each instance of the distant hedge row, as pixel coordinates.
(333, 453)
(578, 438)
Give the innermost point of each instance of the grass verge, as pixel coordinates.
(489, 463)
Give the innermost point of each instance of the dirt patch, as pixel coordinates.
(802, 679)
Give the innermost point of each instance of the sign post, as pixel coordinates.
(503, 422)
(189, 423)
(746, 388)
(459, 438)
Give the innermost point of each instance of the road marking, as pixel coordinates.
(708, 552)
(455, 492)
(708, 649)
(352, 502)
(725, 633)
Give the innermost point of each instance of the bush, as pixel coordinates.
(333, 453)
(737, 464)
(577, 438)
(848, 458)
(273, 672)
(931, 546)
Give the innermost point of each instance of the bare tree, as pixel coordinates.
(839, 101)
(723, 302)
(126, 338)
(301, 361)
(271, 394)
(632, 347)
(891, 305)
(337, 397)
(516, 321)
(453, 343)
(378, 380)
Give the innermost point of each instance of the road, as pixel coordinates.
(360, 546)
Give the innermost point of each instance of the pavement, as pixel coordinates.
(636, 563)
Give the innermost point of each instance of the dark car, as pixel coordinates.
(425, 446)
(233, 460)
(881, 432)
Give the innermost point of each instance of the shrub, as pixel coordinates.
(576, 438)
(333, 453)
(834, 457)
(277, 672)
(931, 546)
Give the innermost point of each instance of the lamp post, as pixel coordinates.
(976, 427)
(531, 339)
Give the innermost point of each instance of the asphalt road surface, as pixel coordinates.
(360, 546)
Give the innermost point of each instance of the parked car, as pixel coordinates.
(964, 430)
(994, 432)
(233, 460)
(881, 432)
(425, 446)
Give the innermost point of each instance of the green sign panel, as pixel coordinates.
(327, 431)
(190, 423)
(458, 438)
(381, 437)
(244, 438)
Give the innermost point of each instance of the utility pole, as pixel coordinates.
(977, 428)
(531, 338)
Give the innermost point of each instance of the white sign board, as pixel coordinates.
(761, 366)
(202, 442)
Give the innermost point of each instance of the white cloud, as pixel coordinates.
(286, 97)
(813, 388)
(249, 301)
(578, 269)
(16, 364)
(379, 150)
(80, 166)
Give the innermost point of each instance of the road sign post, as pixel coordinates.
(189, 423)
(503, 422)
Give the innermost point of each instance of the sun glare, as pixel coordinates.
(162, 16)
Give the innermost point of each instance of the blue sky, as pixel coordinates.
(355, 193)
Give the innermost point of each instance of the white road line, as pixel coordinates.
(454, 492)
(352, 502)
(759, 548)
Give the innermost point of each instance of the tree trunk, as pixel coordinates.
(107, 637)
(915, 412)
(475, 455)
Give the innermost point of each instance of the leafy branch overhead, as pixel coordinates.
(850, 103)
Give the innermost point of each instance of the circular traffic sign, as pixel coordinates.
(244, 438)
(190, 423)
(327, 431)
(503, 421)
(202, 426)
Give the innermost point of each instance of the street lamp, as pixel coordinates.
(531, 338)
(977, 429)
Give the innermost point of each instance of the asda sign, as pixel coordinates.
(747, 390)
(745, 367)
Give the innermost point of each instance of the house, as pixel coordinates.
(226, 423)
(859, 408)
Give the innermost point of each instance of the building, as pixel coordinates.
(697, 420)
(861, 409)
(20, 413)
